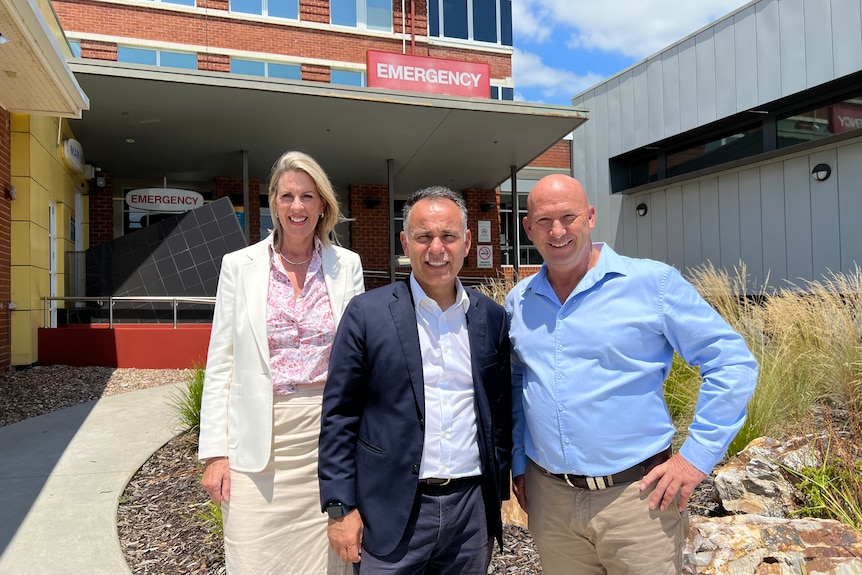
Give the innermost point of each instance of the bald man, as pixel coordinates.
(593, 336)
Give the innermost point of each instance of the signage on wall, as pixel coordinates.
(485, 257)
(484, 232)
(73, 155)
(164, 199)
(425, 74)
(846, 117)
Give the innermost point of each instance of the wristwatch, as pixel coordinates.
(336, 509)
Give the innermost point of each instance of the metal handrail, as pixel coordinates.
(173, 300)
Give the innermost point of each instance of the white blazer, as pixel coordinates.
(236, 406)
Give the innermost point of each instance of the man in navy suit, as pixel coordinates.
(416, 431)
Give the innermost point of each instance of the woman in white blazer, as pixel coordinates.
(277, 307)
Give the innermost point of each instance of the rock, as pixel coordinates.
(758, 545)
(753, 481)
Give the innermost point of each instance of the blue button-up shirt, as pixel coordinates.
(588, 374)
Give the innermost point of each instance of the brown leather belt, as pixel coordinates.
(630, 475)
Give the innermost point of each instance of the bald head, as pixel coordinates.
(559, 187)
(558, 222)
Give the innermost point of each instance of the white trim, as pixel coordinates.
(474, 45)
(507, 82)
(191, 48)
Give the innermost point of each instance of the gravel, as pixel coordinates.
(160, 520)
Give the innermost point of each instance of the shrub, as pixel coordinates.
(186, 403)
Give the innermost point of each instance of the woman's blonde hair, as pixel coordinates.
(300, 162)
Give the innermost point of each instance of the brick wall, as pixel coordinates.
(232, 188)
(523, 272)
(214, 62)
(98, 50)
(314, 73)
(369, 231)
(475, 198)
(102, 211)
(314, 11)
(415, 21)
(219, 31)
(557, 156)
(5, 237)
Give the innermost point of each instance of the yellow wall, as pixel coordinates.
(39, 176)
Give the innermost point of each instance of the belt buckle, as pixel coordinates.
(434, 482)
(593, 483)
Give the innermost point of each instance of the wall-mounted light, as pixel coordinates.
(10, 193)
(3, 39)
(372, 203)
(642, 209)
(487, 206)
(821, 172)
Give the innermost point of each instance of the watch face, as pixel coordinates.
(335, 510)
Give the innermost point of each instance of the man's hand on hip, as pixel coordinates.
(676, 476)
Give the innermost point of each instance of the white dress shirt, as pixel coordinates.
(451, 438)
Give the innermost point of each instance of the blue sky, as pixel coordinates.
(563, 47)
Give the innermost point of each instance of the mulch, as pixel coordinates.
(162, 532)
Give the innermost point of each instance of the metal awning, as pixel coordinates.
(154, 123)
(34, 75)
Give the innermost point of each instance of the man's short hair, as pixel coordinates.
(436, 193)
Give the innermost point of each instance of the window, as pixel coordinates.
(265, 216)
(726, 148)
(75, 45)
(137, 56)
(477, 20)
(151, 57)
(810, 124)
(284, 71)
(502, 93)
(276, 8)
(346, 78)
(363, 14)
(528, 254)
(399, 226)
(178, 60)
(267, 69)
(177, 2)
(827, 112)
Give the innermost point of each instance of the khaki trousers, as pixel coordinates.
(604, 532)
(273, 523)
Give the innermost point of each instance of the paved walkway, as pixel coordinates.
(61, 476)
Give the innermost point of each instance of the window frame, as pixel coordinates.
(623, 168)
(158, 53)
(360, 12)
(266, 65)
(264, 10)
(503, 13)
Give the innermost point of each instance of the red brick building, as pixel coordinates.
(204, 95)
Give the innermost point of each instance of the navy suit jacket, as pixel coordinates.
(372, 430)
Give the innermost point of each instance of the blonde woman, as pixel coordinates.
(277, 307)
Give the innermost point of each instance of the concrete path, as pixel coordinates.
(61, 476)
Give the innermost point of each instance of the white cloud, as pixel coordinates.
(633, 28)
(529, 21)
(531, 72)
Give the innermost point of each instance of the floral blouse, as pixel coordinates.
(300, 329)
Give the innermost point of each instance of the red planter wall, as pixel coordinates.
(141, 346)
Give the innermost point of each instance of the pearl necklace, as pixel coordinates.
(296, 263)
